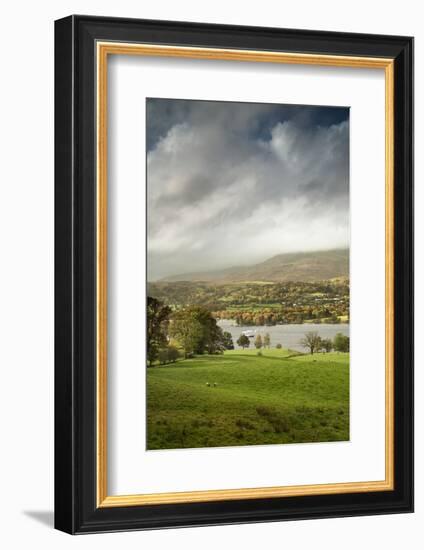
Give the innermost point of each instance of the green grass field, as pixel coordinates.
(279, 397)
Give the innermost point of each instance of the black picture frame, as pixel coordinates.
(76, 510)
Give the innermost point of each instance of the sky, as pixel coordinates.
(233, 184)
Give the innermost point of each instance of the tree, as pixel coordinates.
(326, 345)
(258, 341)
(341, 342)
(157, 325)
(210, 338)
(197, 331)
(227, 340)
(187, 330)
(267, 340)
(243, 341)
(311, 341)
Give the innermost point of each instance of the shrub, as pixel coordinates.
(168, 355)
(259, 353)
(163, 356)
(172, 353)
(264, 411)
(278, 346)
(240, 423)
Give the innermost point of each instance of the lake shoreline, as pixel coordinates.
(288, 335)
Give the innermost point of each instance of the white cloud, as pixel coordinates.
(218, 196)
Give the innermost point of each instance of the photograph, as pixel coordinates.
(247, 298)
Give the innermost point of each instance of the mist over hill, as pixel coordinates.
(299, 266)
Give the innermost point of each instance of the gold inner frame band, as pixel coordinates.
(104, 49)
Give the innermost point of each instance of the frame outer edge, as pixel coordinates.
(406, 251)
(411, 164)
(64, 447)
(71, 515)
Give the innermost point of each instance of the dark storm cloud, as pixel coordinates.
(237, 182)
(255, 120)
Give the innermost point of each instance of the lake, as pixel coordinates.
(288, 336)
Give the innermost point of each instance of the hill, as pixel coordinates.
(299, 266)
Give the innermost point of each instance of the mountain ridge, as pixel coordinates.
(293, 266)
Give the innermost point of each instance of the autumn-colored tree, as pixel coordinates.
(258, 341)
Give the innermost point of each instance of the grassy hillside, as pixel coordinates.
(300, 266)
(279, 397)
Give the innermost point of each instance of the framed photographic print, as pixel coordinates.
(234, 272)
